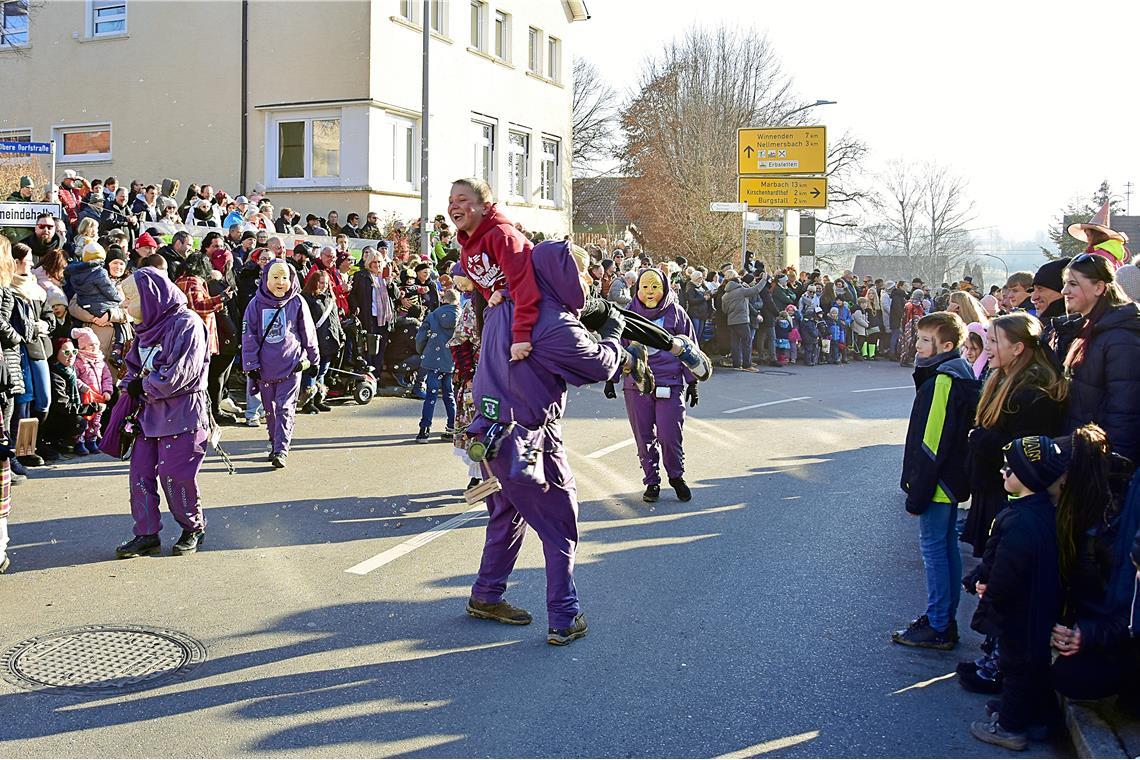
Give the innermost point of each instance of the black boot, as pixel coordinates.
(682, 488)
(309, 407)
(319, 403)
(189, 543)
(139, 546)
(472, 483)
(652, 493)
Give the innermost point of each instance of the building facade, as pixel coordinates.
(317, 101)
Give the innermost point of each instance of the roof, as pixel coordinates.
(597, 202)
(1129, 225)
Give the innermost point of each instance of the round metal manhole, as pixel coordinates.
(98, 659)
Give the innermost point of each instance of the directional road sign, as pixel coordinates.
(782, 150)
(763, 224)
(784, 192)
(737, 207)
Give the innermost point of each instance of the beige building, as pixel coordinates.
(330, 91)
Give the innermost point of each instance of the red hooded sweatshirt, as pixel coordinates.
(497, 255)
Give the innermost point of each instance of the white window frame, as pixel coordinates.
(480, 142)
(14, 134)
(272, 149)
(502, 19)
(439, 13)
(408, 10)
(534, 51)
(545, 160)
(479, 10)
(402, 156)
(58, 132)
(523, 165)
(554, 59)
(4, 44)
(90, 9)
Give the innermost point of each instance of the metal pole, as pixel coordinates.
(743, 239)
(52, 179)
(425, 233)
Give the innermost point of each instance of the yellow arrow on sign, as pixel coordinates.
(782, 150)
(783, 192)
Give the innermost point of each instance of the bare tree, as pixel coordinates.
(847, 195)
(594, 114)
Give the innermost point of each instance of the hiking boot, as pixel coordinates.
(639, 369)
(971, 680)
(652, 493)
(952, 631)
(501, 612)
(48, 453)
(1039, 732)
(139, 546)
(694, 358)
(684, 493)
(309, 408)
(278, 460)
(920, 634)
(31, 460)
(321, 406)
(189, 543)
(560, 637)
(424, 436)
(991, 732)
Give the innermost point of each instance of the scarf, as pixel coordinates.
(72, 383)
(381, 300)
(29, 287)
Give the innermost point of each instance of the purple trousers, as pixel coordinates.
(657, 428)
(280, 401)
(174, 462)
(553, 514)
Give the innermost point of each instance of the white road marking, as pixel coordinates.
(889, 388)
(610, 449)
(766, 403)
(924, 684)
(764, 748)
(409, 546)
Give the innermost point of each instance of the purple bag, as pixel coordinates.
(122, 427)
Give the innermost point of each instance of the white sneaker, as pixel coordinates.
(227, 405)
(252, 422)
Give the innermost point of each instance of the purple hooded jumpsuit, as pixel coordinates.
(276, 334)
(532, 393)
(171, 355)
(658, 422)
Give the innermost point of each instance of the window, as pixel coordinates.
(534, 51)
(554, 58)
(550, 179)
(518, 158)
(408, 9)
(13, 23)
(502, 36)
(439, 16)
(91, 142)
(107, 17)
(402, 142)
(307, 149)
(478, 25)
(484, 143)
(14, 135)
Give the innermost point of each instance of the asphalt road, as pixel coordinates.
(752, 620)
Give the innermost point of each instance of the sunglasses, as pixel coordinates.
(1084, 257)
(69, 352)
(45, 226)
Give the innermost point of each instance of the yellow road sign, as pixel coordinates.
(783, 192)
(782, 150)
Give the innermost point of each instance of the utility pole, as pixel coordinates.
(425, 230)
(1128, 198)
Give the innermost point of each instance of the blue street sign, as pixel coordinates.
(8, 146)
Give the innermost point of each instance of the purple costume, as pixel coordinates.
(171, 355)
(532, 394)
(276, 335)
(658, 422)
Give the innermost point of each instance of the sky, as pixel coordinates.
(1033, 103)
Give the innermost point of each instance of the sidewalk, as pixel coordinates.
(1100, 730)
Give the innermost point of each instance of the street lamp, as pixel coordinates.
(804, 108)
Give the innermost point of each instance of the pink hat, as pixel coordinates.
(990, 305)
(85, 338)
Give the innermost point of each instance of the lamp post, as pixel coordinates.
(1000, 260)
(804, 108)
(425, 209)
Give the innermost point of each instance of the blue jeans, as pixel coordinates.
(938, 540)
(436, 380)
(315, 375)
(252, 402)
(699, 329)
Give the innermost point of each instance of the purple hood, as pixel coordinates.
(161, 301)
(557, 274)
(667, 300)
(266, 298)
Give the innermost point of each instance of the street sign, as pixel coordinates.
(12, 146)
(763, 224)
(782, 150)
(24, 214)
(734, 207)
(784, 192)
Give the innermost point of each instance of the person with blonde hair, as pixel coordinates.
(967, 307)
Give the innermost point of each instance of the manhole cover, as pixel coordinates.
(94, 659)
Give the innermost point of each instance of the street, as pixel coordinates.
(753, 620)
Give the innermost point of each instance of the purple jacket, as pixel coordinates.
(292, 337)
(533, 392)
(171, 356)
(669, 316)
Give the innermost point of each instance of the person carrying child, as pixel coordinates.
(464, 345)
(96, 387)
(437, 363)
(1018, 584)
(94, 290)
(278, 344)
(934, 473)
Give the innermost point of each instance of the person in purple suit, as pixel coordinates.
(519, 406)
(166, 377)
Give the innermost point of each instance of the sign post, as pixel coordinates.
(736, 208)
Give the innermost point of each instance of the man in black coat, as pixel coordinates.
(176, 253)
(44, 237)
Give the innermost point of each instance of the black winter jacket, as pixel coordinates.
(11, 373)
(1105, 387)
(330, 333)
(936, 452)
(1028, 412)
(1023, 586)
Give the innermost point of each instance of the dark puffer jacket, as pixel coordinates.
(11, 373)
(1105, 387)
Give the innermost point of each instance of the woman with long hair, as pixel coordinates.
(913, 312)
(194, 281)
(967, 307)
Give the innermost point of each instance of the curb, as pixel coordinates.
(1092, 737)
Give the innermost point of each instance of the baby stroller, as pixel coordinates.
(401, 357)
(350, 375)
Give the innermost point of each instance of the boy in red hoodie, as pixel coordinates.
(496, 256)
